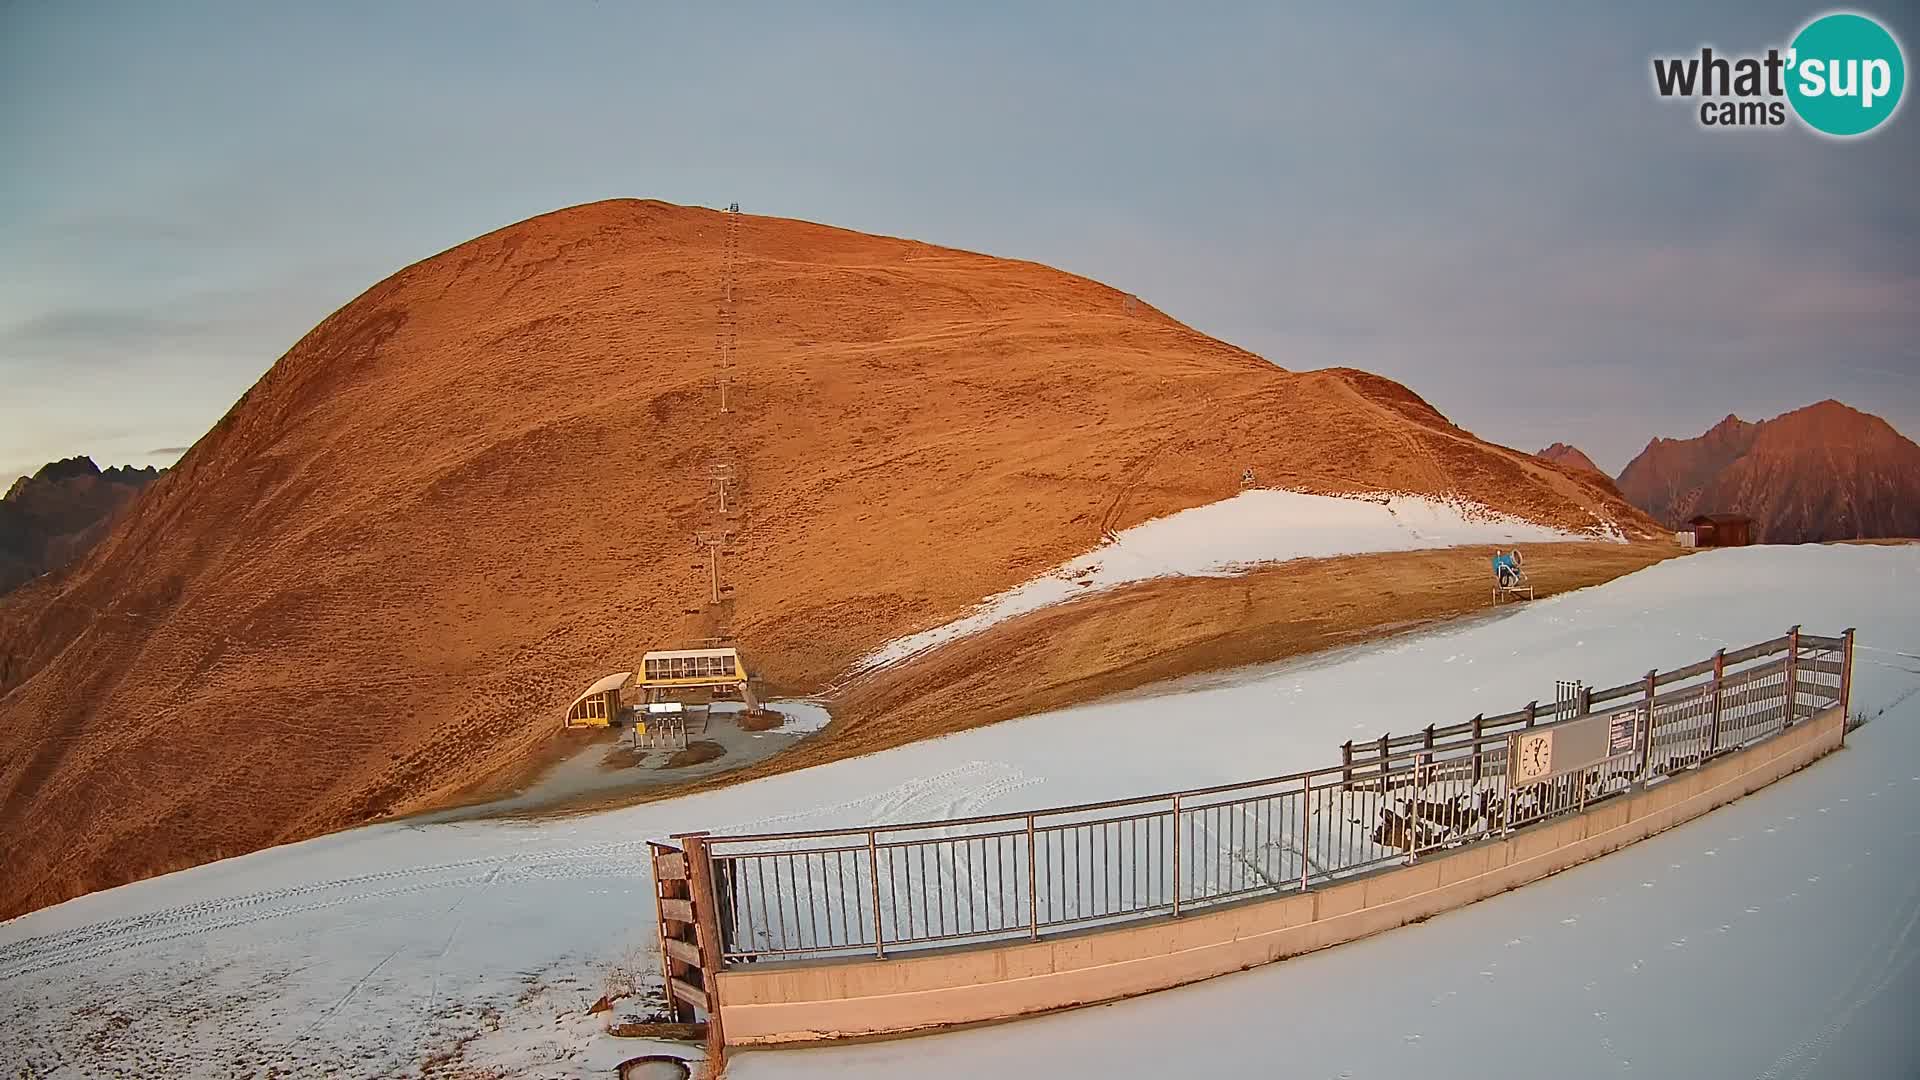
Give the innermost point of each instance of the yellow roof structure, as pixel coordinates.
(601, 685)
(675, 654)
(692, 667)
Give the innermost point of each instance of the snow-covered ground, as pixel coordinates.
(370, 952)
(1777, 938)
(1233, 535)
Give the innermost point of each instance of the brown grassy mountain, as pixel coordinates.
(1825, 472)
(51, 518)
(1570, 456)
(476, 486)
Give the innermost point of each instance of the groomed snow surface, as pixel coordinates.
(1234, 535)
(1774, 938)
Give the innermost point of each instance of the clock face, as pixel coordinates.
(1535, 755)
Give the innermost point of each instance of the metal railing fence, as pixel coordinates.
(872, 891)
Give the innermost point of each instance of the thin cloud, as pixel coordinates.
(97, 336)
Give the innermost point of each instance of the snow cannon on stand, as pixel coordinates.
(1510, 577)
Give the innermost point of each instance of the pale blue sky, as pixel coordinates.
(1487, 203)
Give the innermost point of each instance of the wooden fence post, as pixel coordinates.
(707, 925)
(671, 883)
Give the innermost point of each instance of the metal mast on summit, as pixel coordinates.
(721, 472)
(728, 331)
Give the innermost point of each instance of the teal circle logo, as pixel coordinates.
(1846, 73)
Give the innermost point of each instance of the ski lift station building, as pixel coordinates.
(677, 669)
(599, 704)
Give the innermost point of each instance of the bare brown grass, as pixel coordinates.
(378, 580)
(1114, 642)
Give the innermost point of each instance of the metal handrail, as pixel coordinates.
(872, 889)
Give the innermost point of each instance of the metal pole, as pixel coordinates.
(873, 882)
(1346, 764)
(1846, 683)
(1719, 673)
(1646, 748)
(1420, 761)
(1793, 674)
(1176, 854)
(1033, 888)
(1477, 721)
(1306, 832)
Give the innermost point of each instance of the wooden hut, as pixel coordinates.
(599, 704)
(1721, 530)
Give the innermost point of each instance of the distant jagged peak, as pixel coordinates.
(1829, 421)
(1570, 456)
(1825, 471)
(81, 467)
(67, 469)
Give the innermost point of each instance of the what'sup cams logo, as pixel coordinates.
(1842, 76)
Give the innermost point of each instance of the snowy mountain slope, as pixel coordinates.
(374, 950)
(1778, 937)
(404, 517)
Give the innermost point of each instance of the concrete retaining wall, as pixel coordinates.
(805, 1002)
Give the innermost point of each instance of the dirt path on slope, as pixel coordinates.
(1128, 638)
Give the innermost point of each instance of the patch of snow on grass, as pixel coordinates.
(1229, 537)
(803, 717)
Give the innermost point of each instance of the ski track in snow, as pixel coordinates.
(955, 793)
